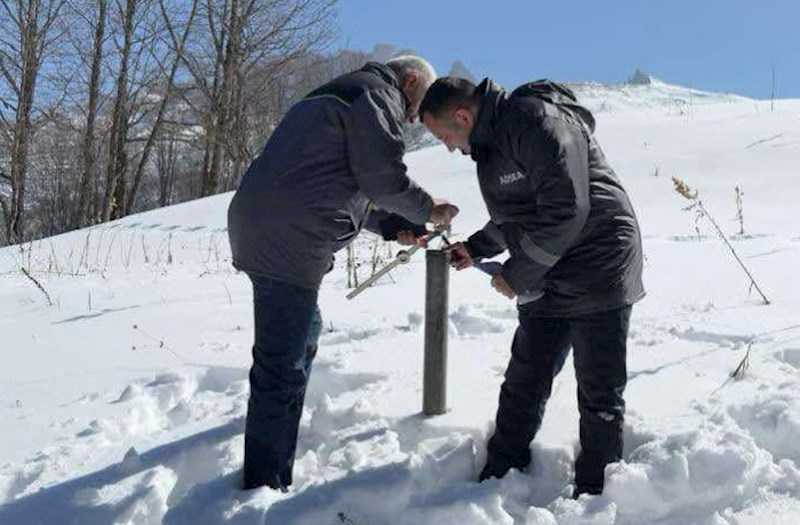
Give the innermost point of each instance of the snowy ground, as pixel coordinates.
(123, 402)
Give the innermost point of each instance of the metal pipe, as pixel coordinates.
(434, 390)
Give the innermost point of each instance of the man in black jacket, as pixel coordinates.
(333, 166)
(575, 258)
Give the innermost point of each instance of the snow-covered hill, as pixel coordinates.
(645, 91)
(123, 401)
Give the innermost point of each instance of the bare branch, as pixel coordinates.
(162, 107)
(11, 13)
(9, 78)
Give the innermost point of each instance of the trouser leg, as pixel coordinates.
(278, 379)
(599, 352)
(537, 354)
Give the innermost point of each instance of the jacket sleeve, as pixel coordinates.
(555, 155)
(373, 221)
(486, 243)
(388, 225)
(374, 127)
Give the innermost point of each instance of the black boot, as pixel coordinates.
(497, 466)
(274, 482)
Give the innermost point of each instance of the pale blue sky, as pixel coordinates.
(714, 45)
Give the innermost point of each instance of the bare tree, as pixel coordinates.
(170, 70)
(146, 68)
(85, 214)
(145, 103)
(166, 166)
(240, 39)
(115, 195)
(25, 39)
(53, 175)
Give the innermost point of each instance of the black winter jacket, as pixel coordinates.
(555, 203)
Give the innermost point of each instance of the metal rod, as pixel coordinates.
(403, 256)
(374, 277)
(434, 391)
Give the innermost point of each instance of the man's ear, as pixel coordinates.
(412, 79)
(463, 116)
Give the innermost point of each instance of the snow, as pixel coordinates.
(124, 401)
(645, 91)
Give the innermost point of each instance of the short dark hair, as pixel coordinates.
(448, 93)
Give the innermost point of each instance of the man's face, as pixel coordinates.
(453, 129)
(414, 87)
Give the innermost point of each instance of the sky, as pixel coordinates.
(713, 45)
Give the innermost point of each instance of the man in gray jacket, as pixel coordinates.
(333, 166)
(575, 258)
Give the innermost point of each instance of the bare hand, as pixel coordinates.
(459, 256)
(408, 238)
(500, 284)
(442, 213)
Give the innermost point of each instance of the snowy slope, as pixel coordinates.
(644, 91)
(123, 402)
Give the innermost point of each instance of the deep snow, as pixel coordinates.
(124, 401)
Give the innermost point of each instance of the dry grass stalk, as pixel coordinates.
(38, 285)
(683, 189)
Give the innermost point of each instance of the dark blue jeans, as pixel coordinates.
(287, 328)
(540, 347)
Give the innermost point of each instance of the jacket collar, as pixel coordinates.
(492, 98)
(388, 75)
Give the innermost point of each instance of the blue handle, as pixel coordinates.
(489, 267)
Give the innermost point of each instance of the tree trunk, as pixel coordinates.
(115, 193)
(166, 162)
(29, 32)
(228, 59)
(88, 185)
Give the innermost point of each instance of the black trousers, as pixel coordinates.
(538, 353)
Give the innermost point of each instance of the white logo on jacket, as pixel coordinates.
(510, 178)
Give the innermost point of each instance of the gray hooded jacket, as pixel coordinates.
(335, 157)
